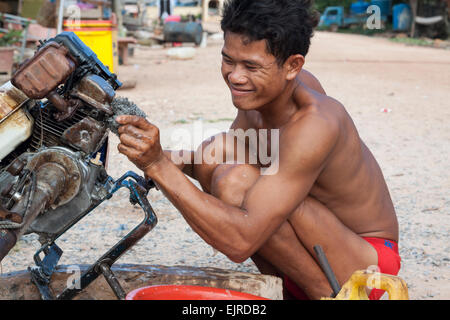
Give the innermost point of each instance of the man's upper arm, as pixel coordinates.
(207, 152)
(303, 153)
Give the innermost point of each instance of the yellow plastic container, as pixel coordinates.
(354, 288)
(99, 35)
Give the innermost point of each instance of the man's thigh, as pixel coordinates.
(314, 223)
(290, 249)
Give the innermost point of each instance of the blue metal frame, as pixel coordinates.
(139, 188)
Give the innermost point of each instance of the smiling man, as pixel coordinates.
(327, 188)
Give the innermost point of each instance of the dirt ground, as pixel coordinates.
(410, 142)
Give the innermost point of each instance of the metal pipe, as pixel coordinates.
(112, 281)
(326, 268)
(24, 42)
(139, 193)
(60, 16)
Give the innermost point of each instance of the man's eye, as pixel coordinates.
(227, 61)
(251, 67)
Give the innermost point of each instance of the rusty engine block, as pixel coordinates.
(55, 117)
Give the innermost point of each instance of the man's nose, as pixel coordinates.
(237, 76)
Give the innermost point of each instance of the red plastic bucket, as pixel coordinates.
(184, 292)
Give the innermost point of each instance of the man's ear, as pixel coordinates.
(294, 65)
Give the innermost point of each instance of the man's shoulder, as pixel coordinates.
(312, 134)
(308, 79)
(320, 116)
(313, 103)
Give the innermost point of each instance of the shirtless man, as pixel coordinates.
(328, 188)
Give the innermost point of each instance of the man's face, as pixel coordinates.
(252, 74)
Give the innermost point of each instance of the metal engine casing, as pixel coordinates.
(16, 125)
(85, 175)
(83, 191)
(60, 123)
(53, 172)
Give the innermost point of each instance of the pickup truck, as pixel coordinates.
(335, 17)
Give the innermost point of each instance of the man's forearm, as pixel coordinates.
(186, 163)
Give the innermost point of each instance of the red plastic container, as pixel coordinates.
(185, 292)
(172, 19)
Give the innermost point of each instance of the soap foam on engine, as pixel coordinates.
(122, 106)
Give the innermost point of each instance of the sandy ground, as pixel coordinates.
(411, 144)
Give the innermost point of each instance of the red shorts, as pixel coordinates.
(388, 262)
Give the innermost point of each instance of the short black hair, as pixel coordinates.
(286, 25)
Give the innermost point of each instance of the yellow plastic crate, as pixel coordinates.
(99, 36)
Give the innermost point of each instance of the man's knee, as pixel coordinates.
(230, 182)
(308, 205)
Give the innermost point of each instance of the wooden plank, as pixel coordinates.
(18, 285)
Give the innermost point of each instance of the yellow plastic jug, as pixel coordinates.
(354, 288)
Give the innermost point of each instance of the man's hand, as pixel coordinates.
(139, 141)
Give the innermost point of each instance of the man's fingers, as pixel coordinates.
(138, 127)
(139, 140)
(132, 141)
(136, 121)
(131, 153)
(132, 131)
